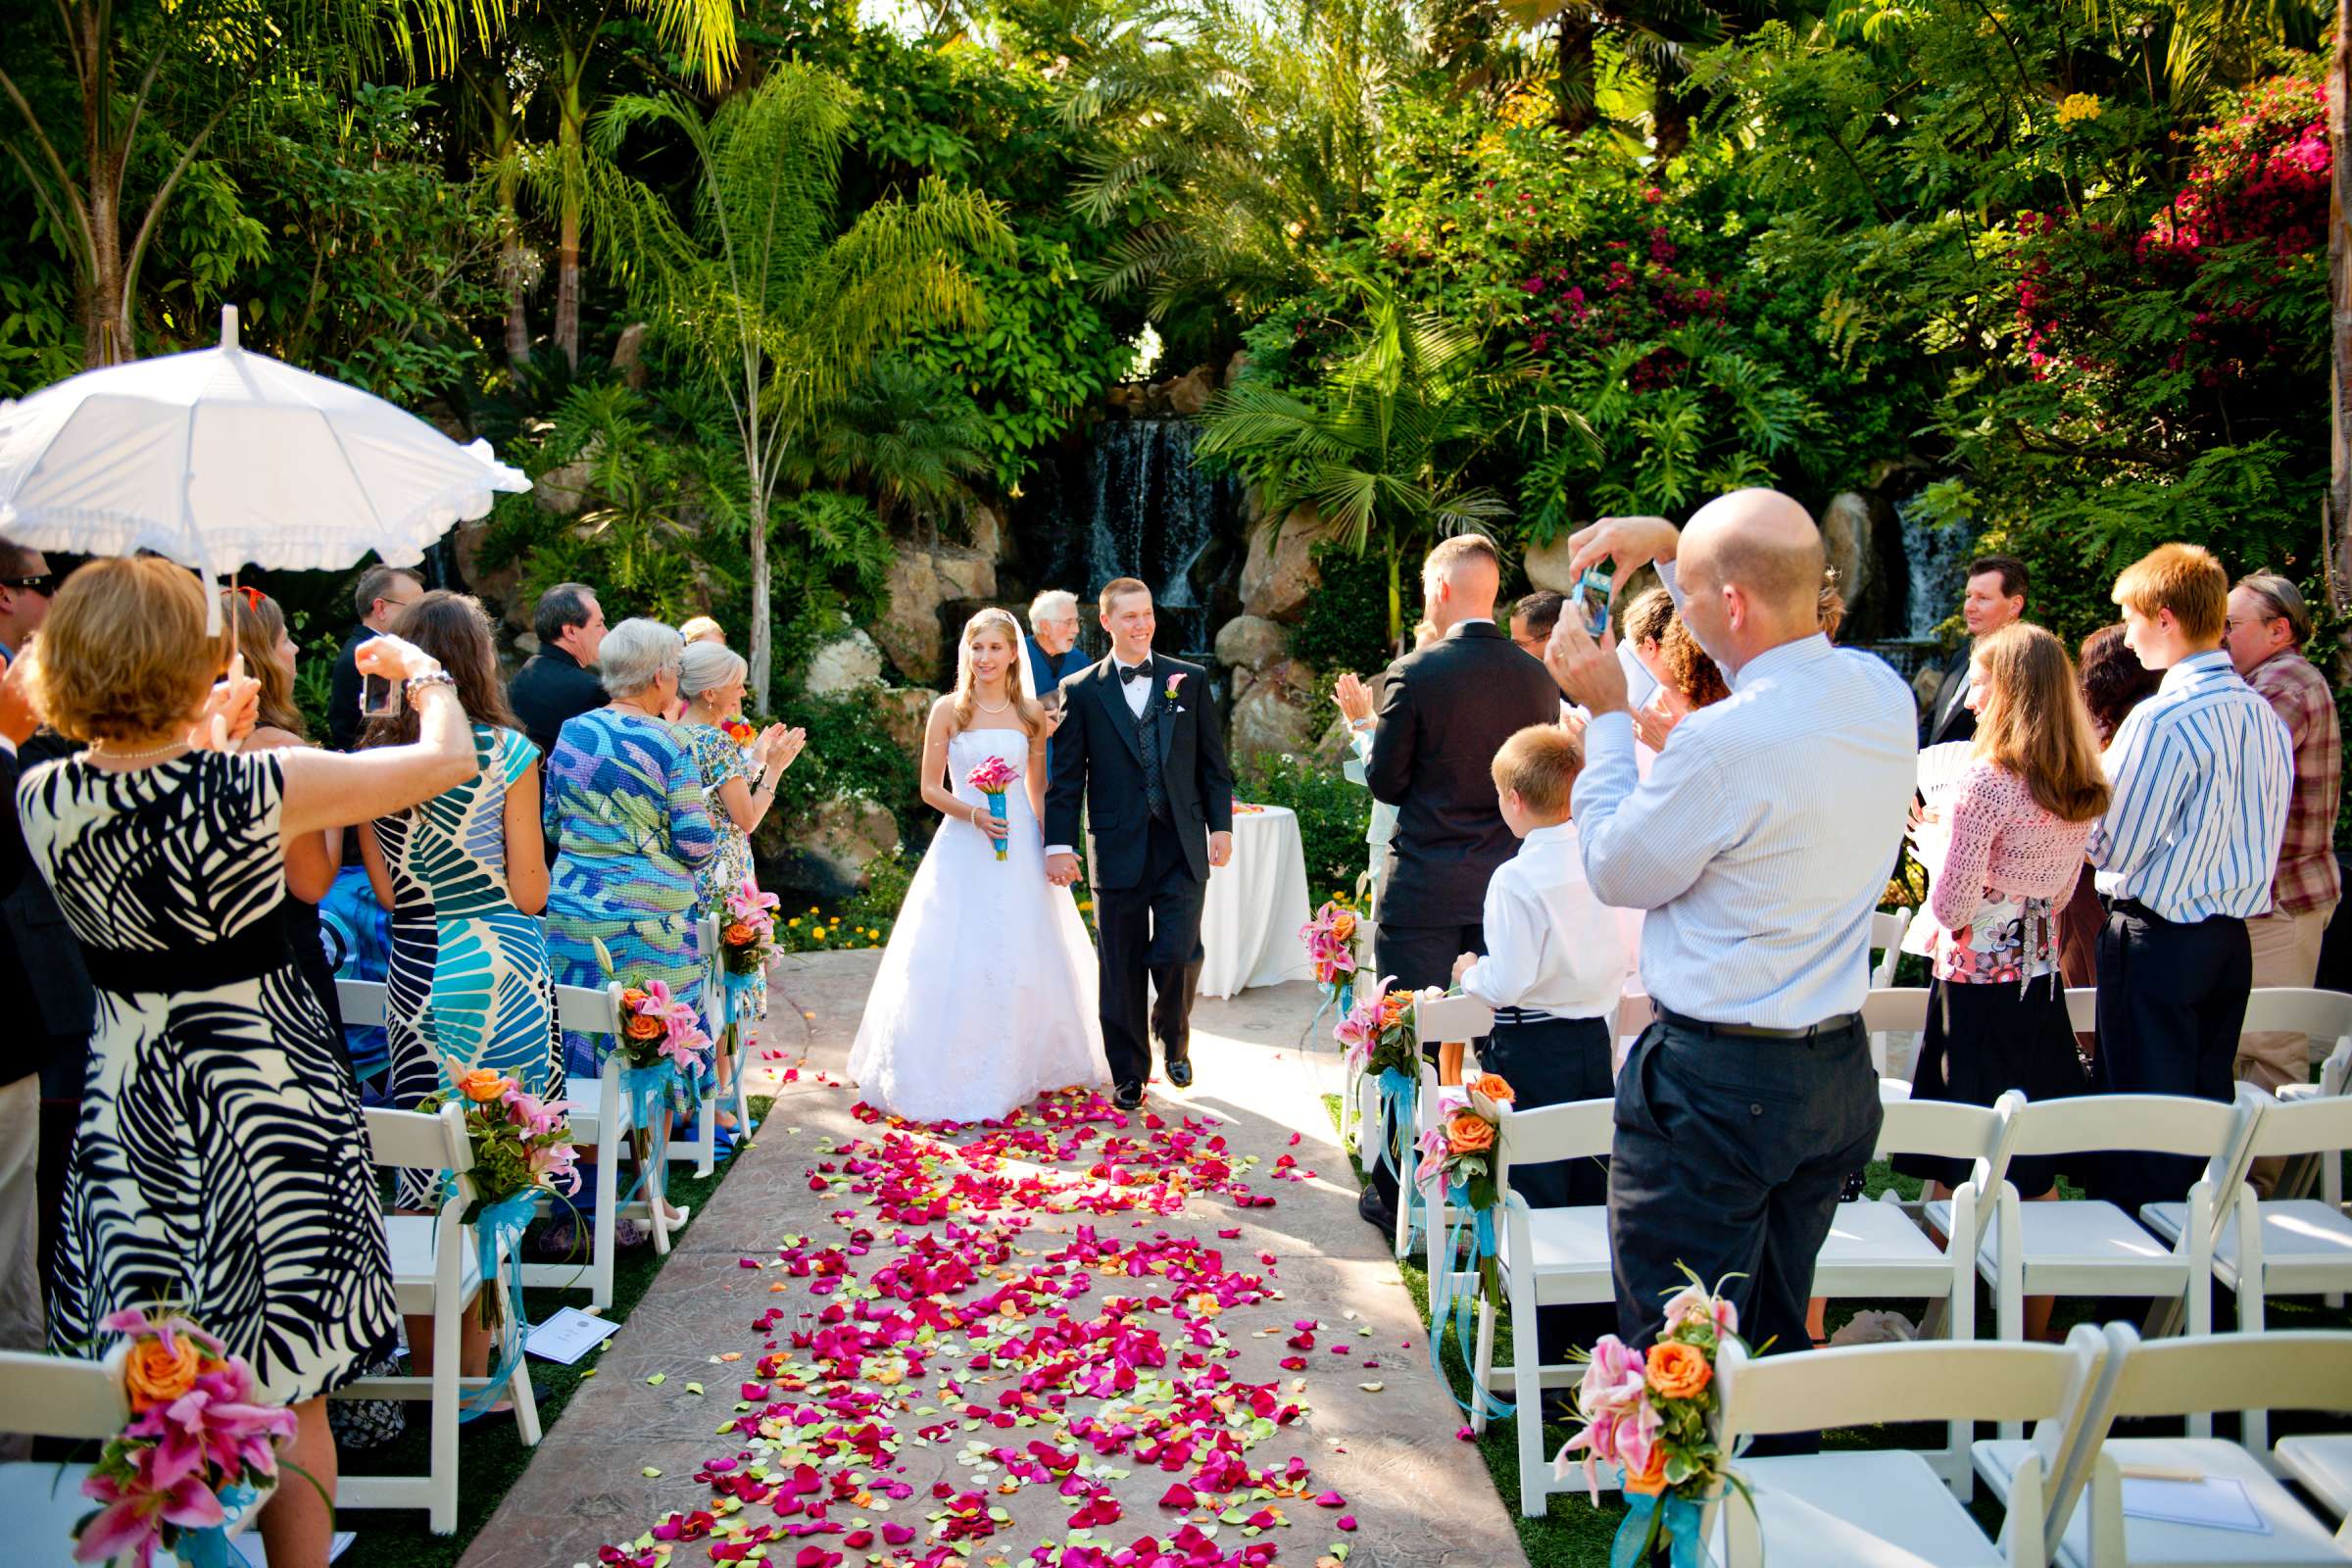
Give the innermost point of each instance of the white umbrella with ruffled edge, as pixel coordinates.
(222, 459)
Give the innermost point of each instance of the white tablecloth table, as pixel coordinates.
(1254, 906)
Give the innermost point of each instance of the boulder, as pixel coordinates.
(1235, 365)
(920, 582)
(500, 587)
(1269, 719)
(628, 356)
(848, 662)
(903, 710)
(1127, 399)
(1252, 643)
(1280, 571)
(1190, 392)
(827, 850)
(1547, 565)
(564, 490)
(984, 526)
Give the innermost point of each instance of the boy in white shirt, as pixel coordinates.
(1555, 961)
(1556, 965)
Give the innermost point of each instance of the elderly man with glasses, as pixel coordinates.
(1053, 646)
(2265, 632)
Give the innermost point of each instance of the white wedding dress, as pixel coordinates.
(986, 995)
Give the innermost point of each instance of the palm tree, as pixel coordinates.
(911, 440)
(1382, 446)
(784, 309)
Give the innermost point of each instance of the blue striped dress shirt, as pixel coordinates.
(1762, 838)
(2202, 772)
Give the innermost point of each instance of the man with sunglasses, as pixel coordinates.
(25, 586)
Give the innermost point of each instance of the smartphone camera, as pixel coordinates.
(1592, 593)
(379, 698)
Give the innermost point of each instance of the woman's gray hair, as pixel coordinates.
(636, 653)
(707, 667)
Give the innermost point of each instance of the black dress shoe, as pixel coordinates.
(1376, 1214)
(1127, 1096)
(1180, 1073)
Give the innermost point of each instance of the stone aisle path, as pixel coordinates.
(1105, 1330)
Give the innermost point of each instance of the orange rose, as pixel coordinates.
(642, 1027)
(1678, 1371)
(738, 935)
(1652, 1478)
(1342, 926)
(157, 1375)
(1495, 1087)
(482, 1085)
(1469, 1133)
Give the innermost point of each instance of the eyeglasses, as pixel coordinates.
(43, 583)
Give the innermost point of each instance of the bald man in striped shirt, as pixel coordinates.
(2202, 772)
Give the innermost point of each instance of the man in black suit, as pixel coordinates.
(1445, 712)
(1994, 596)
(558, 682)
(378, 597)
(1139, 748)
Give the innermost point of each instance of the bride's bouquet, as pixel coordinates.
(993, 779)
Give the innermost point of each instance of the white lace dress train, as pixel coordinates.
(986, 997)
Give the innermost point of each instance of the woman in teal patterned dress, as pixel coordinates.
(465, 874)
(624, 809)
(738, 781)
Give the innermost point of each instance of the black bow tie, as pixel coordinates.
(1135, 671)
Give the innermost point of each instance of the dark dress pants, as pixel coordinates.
(1557, 1061)
(2172, 997)
(1730, 1156)
(1416, 956)
(1150, 932)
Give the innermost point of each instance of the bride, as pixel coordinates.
(986, 995)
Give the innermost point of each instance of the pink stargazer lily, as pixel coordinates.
(1692, 1301)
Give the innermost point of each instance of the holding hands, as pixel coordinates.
(1062, 869)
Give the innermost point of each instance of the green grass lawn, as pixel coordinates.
(490, 1451)
(1575, 1534)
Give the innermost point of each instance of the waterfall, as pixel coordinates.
(1936, 555)
(1134, 505)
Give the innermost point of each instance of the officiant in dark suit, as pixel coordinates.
(1995, 596)
(1139, 749)
(1444, 712)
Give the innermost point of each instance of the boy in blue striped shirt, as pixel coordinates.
(2202, 772)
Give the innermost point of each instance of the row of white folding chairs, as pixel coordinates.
(2063, 1486)
(1938, 1251)
(600, 1120)
(436, 1274)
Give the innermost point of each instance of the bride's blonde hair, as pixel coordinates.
(1032, 717)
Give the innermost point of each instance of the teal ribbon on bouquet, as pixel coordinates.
(498, 1231)
(208, 1547)
(1444, 1302)
(1677, 1520)
(1341, 991)
(996, 809)
(1398, 1094)
(648, 1091)
(739, 989)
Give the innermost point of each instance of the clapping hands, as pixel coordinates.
(777, 747)
(1354, 699)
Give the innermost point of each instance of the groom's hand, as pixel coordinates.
(1220, 848)
(1062, 869)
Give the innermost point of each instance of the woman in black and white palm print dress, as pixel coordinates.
(221, 1163)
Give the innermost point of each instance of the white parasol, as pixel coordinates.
(220, 458)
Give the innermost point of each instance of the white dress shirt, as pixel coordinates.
(1762, 838)
(2202, 772)
(1551, 947)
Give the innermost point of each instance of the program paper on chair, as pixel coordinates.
(1847, 1509)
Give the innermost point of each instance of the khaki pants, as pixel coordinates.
(21, 1325)
(2286, 952)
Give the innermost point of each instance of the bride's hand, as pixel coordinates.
(994, 827)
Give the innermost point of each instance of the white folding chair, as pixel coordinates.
(1548, 1257)
(1434, 1019)
(55, 1396)
(2324, 1466)
(1887, 928)
(436, 1273)
(2281, 1245)
(2088, 1247)
(1883, 1249)
(2190, 1377)
(1893, 1011)
(1889, 1506)
(600, 1120)
(2082, 1008)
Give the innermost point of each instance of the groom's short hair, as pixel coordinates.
(1119, 588)
(1542, 762)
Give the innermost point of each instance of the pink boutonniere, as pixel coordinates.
(1174, 681)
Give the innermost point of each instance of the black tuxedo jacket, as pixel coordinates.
(1098, 763)
(1445, 712)
(1947, 718)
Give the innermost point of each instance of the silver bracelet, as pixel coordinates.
(439, 677)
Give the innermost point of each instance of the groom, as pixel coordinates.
(1139, 747)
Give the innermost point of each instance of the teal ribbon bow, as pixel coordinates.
(208, 1547)
(1396, 1097)
(1678, 1520)
(498, 1229)
(1444, 1302)
(739, 990)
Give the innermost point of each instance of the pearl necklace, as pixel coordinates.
(101, 749)
(992, 712)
